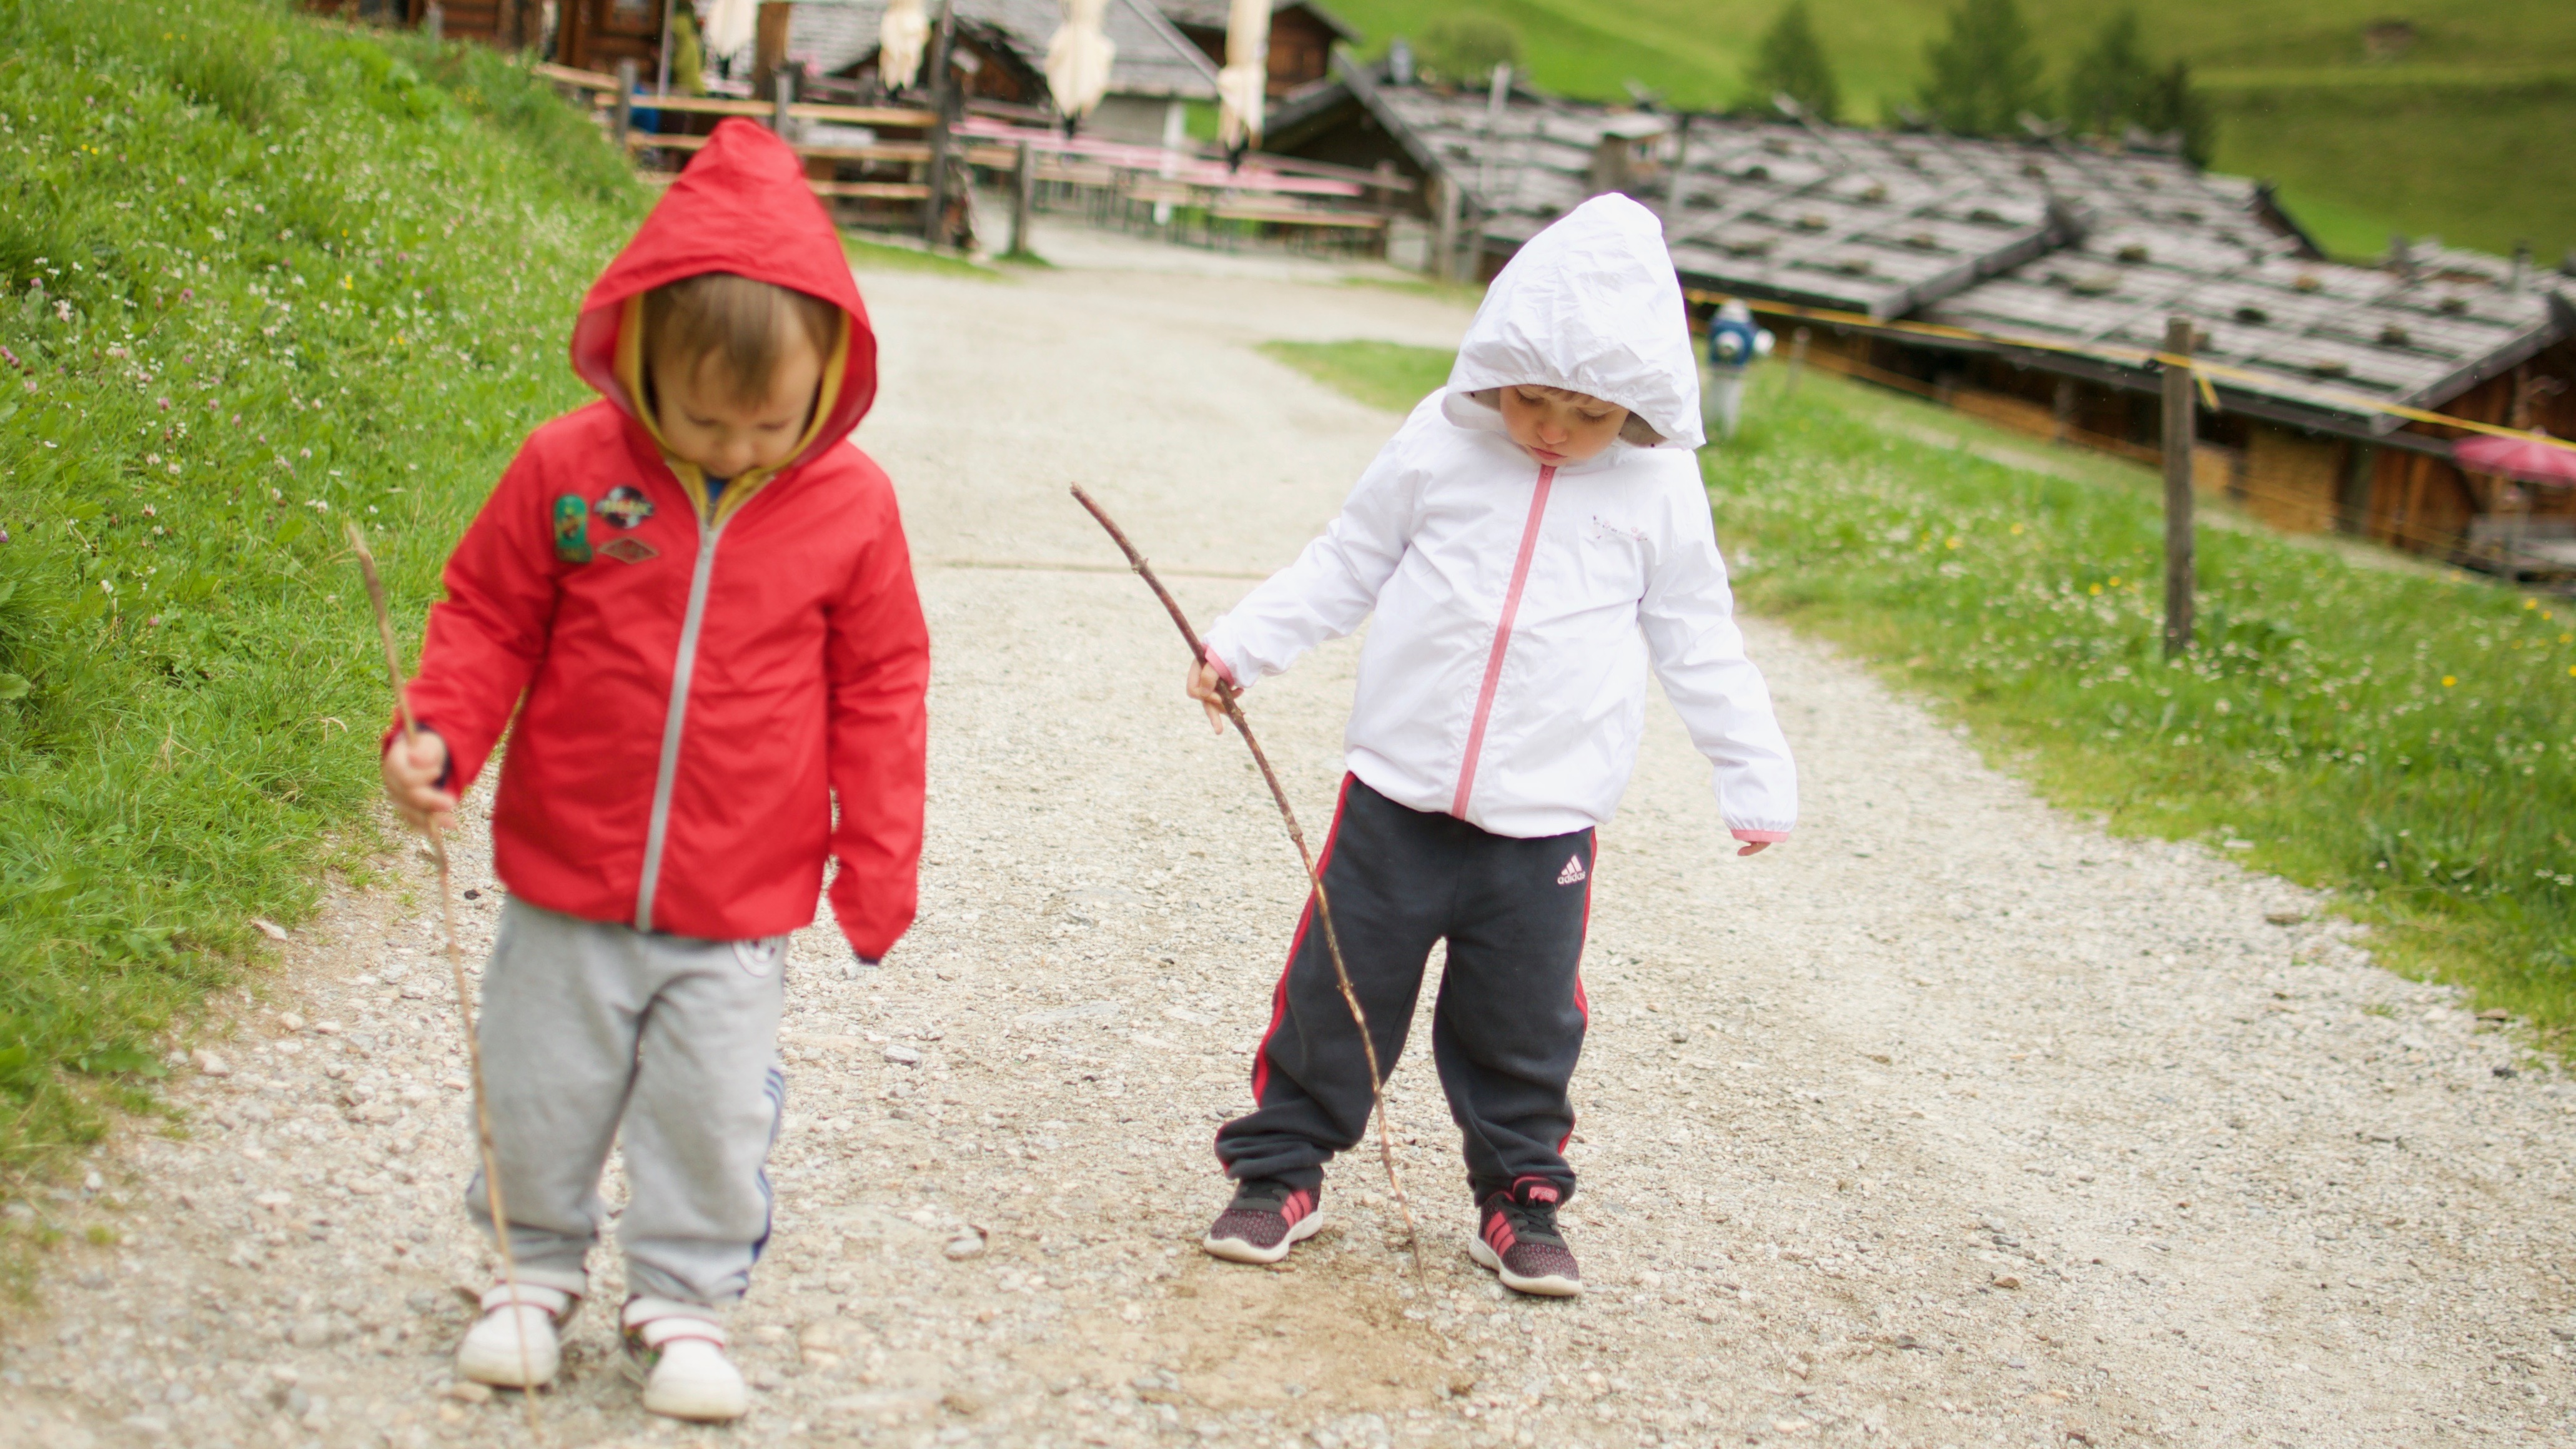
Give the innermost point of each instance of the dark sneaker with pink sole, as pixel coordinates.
(1517, 1238)
(1265, 1220)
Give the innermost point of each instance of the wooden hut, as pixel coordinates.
(597, 34)
(1302, 37)
(2057, 264)
(1155, 69)
(588, 35)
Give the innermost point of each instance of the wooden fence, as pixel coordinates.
(1180, 194)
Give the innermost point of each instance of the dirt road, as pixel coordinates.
(1953, 1122)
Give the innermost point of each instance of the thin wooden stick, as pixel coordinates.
(456, 969)
(1314, 876)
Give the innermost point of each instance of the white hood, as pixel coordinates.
(1592, 305)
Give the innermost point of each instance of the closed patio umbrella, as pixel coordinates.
(1240, 84)
(1079, 57)
(901, 37)
(730, 24)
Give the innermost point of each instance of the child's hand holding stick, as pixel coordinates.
(412, 768)
(1219, 698)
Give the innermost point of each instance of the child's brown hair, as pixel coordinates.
(738, 322)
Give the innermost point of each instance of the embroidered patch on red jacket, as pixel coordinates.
(629, 550)
(572, 529)
(625, 506)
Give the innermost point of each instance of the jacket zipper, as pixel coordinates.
(1502, 642)
(683, 669)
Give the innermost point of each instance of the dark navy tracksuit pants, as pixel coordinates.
(1509, 1024)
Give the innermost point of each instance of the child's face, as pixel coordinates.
(703, 422)
(1556, 427)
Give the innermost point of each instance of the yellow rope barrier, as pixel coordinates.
(2201, 371)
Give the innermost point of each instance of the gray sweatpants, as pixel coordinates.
(589, 1027)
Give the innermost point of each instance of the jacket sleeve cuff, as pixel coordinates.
(1761, 837)
(1223, 670)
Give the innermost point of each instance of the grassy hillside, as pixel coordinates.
(2404, 738)
(262, 276)
(2481, 166)
(2461, 134)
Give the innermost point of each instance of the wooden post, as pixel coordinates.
(2064, 411)
(2352, 504)
(1797, 359)
(782, 94)
(662, 49)
(769, 40)
(1673, 183)
(934, 209)
(2180, 431)
(1024, 197)
(621, 116)
(1444, 235)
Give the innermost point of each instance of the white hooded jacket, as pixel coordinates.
(1519, 606)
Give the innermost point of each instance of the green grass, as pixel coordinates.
(1464, 294)
(262, 275)
(2462, 135)
(2347, 233)
(1385, 375)
(1876, 46)
(869, 256)
(2482, 168)
(2405, 738)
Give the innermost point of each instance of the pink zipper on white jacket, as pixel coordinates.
(1518, 607)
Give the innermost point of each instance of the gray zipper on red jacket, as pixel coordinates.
(674, 719)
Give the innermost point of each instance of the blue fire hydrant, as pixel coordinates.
(1734, 344)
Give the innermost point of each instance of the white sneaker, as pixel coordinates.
(682, 1347)
(514, 1346)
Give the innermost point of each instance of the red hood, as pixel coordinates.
(742, 206)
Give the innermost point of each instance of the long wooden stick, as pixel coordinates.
(1314, 876)
(456, 969)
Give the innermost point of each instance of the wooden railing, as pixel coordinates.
(1267, 192)
(604, 91)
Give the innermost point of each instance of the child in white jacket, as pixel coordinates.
(1531, 540)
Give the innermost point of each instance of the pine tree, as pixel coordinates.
(1792, 63)
(1985, 72)
(2172, 103)
(2108, 90)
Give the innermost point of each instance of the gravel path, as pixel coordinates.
(1955, 1122)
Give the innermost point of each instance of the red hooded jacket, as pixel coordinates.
(695, 686)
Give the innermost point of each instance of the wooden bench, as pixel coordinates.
(1159, 192)
(881, 190)
(878, 190)
(1078, 173)
(1297, 216)
(915, 152)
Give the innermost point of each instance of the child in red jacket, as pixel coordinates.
(698, 602)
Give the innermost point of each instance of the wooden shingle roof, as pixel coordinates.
(2068, 256)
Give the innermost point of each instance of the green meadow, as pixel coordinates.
(263, 276)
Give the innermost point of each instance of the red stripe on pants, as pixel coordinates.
(1279, 993)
